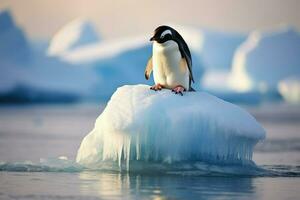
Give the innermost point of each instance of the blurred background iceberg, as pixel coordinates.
(79, 63)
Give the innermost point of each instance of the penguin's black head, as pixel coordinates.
(163, 34)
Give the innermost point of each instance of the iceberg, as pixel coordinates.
(52, 83)
(289, 88)
(45, 80)
(266, 58)
(29, 76)
(217, 82)
(12, 38)
(77, 33)
(141, 125)
(98, 51)
(218, 49)
(259, 64)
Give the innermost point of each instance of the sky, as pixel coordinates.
(118, 18)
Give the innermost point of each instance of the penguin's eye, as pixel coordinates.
(167, 32)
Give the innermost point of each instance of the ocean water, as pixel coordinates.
(38, 145)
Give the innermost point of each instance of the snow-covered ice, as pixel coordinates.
(77, 33)
(139, 124)
(265, 58)
(289, 88)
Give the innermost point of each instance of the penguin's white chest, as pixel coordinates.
(169, 69)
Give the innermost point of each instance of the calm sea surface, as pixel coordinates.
(33, 137)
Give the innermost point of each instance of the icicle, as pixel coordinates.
(137, 147)
(128, 153)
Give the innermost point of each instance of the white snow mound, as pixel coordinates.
(143, 125)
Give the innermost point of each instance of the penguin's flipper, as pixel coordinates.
(188, 60)
(186, 54)
(149, 68)
(184, 64)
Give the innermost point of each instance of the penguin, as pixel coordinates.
(171, 61)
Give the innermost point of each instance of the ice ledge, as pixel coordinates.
(140, 124)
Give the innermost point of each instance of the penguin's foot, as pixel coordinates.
(179, 90)
(156, 87)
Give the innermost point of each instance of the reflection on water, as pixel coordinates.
(125, 186)
(100, 185)
(106, 185)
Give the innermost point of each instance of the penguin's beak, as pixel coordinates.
(152, 39)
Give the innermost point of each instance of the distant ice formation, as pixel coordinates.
(258, 65)
(289, 88)
(104, 50)
(45, 80)
(265, 59)
(139, 124)
(218, 49)
(217, 82)
(13, 44)
(27, 75)
(84, 64)
(77, 33)
(113, 48)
